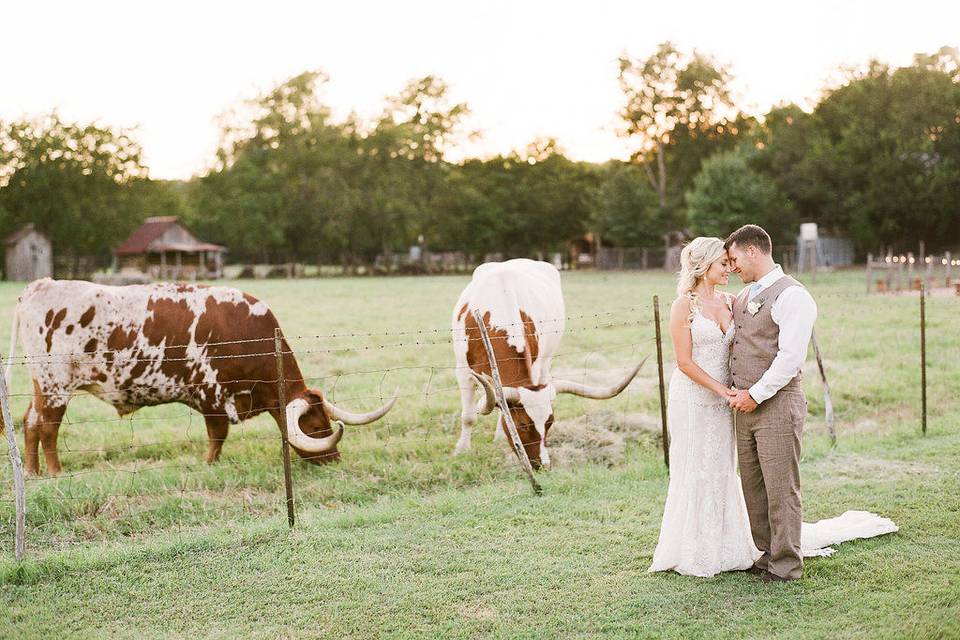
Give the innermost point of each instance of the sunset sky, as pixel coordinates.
(526, 69)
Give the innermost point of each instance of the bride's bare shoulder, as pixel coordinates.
(680, 307)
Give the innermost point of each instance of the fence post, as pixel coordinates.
(948, 262)
(869, 270)
(827, 400)
(502, 403)
(663, 401)
(15, 461)
(923, 355)
(284, 446)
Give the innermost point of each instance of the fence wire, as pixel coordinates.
(144, 472)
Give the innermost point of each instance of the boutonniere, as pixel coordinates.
(754, 306)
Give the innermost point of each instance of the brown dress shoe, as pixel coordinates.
(772, 577)
(756, 571)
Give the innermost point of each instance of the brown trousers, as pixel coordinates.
(768, 448)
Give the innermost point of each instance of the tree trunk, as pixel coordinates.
(659, 182)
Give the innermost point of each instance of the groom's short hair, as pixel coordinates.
(750, 235)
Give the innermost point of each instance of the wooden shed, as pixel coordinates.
(28, 255)
(164, 249)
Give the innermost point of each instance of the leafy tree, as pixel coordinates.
(678, 107)
(626, 211)
(404, 159)
(727, 194)
(79, 183)
(879, 158)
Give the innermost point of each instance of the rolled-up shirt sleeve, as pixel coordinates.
(794, 312)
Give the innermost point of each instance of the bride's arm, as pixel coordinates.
(683, 348)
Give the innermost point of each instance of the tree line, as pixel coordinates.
(877, 159)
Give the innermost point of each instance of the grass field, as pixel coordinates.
(139, 538)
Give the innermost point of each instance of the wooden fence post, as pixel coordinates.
(17, 463)
(923, 356)
(284, 445)
(504, 408)
(663, 401)
(827, 400)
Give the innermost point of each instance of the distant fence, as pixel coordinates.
(831, 252)
(635, 258)
(906, 272)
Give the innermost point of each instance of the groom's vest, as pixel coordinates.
(755, 344)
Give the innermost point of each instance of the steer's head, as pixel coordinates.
(531, 408)
(310, 430)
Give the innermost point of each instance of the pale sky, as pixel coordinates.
(525, 68)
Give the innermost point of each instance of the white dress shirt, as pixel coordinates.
(794, 311)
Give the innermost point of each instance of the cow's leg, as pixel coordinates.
(468, 409)
(217, 429)
(41, 425)
(31, 440)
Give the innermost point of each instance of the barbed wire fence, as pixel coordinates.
(138, 479)
(135, 480)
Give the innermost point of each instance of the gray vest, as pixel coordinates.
(755, 344)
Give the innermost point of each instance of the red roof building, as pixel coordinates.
(164, 249)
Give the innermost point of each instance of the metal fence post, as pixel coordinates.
(663, 400)
(504, 408)
(15, 461)
(284, 446)
(923, 355)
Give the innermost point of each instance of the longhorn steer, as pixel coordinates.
(522, 308)
(210, 348)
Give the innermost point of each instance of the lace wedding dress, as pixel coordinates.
(705, 528)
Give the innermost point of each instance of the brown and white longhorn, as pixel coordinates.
(210, 348)
(521, 304)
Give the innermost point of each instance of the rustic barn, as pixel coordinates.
(163, 248)
(28, 255)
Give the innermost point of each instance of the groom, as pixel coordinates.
(774, 317)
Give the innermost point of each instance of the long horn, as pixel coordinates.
(300, 440)
(489, 401)
(347, 417)
(597, 393)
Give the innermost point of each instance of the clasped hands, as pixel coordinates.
(740, 399)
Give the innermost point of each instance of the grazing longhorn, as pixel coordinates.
(522, 308)
(208, 347)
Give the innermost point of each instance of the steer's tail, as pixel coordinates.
(12, 351)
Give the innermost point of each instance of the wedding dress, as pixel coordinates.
(705, 528)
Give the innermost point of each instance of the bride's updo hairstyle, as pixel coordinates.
(695, 261)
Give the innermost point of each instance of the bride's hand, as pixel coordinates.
(725, 392)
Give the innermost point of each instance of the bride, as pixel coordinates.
(705, 526)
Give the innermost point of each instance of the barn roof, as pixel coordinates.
(20, 234)
(144, 238)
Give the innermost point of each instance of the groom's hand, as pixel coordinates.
(743, 401)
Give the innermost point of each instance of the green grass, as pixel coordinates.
(401, 539)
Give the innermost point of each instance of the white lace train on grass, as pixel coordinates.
(818, 538)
